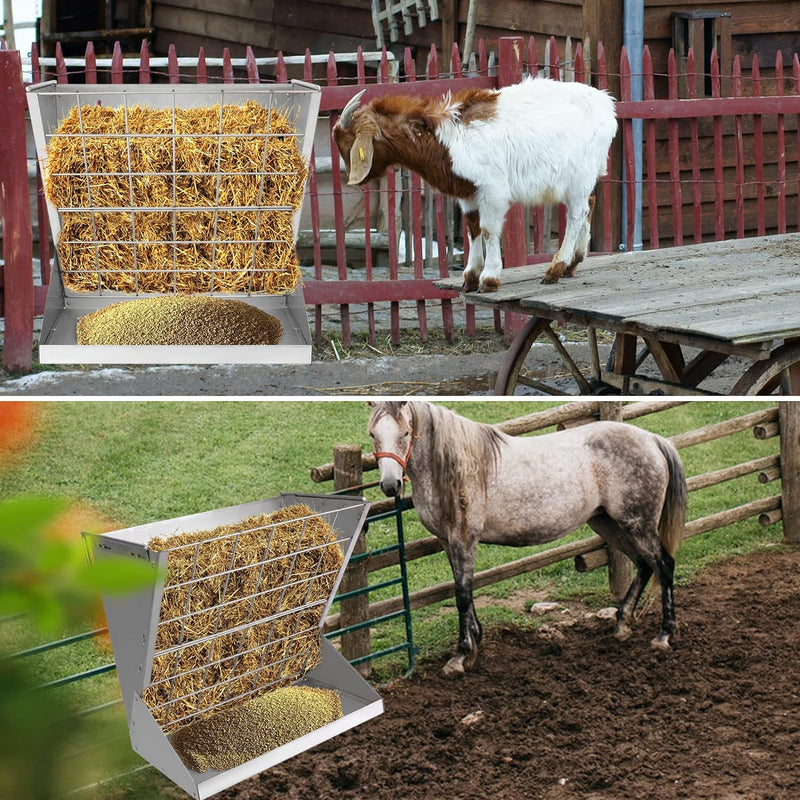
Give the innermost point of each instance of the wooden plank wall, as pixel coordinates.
(758, 27)
(268, 26)
(540, 18)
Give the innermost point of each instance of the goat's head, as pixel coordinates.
(358, 136)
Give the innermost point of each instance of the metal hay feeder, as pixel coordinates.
(134, 621)
(50, 103)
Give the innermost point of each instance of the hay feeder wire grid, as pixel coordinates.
(134, 622)
(50, 103)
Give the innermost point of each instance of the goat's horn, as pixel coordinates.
(347, 111)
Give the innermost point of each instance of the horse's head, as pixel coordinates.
(391, 429)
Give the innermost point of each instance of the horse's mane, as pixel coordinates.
(464, 452)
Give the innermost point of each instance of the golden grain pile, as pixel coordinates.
(241, 582)
(234, 735)
(212, 174)
(179, 320)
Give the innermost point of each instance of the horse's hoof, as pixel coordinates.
(661, 642)
(622, 633)
(489, 285)
(454, 668)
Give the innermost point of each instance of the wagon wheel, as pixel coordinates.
(779, 374)
(513, 373)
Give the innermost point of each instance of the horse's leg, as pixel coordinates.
(625, 539)
(628, 605)
(608, 528)
(665, 572)
(462, 560)
(640, 542)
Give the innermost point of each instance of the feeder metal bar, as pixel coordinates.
(246, 566)
(313, 515)
(241, 599)
(238, 628)
(174, 675)
(259, 689)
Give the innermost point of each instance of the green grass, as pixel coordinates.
(137, 462)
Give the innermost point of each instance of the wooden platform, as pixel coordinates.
(737, 297)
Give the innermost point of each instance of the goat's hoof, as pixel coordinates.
(554, 272)
(489, 285)
(470, 284)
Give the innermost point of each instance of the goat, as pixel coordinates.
(537, 142)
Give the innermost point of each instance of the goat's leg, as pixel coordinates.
(492, 218)
(577, 214)
(584, 239)
(490, 277)
(472, 272)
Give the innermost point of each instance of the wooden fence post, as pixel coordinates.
(17, 274)
(789, 420)
(619, 565)
(514, 237)
(347, 472)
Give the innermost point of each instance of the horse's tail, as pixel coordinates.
(673, 512)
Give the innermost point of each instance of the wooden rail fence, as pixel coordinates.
(591, 552)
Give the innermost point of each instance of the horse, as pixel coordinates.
(473, 483)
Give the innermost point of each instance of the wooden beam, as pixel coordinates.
(16, 218)
(347, 473)
(789, 417)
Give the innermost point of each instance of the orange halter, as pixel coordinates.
(399, 459)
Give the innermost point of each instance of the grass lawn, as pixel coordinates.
(135, 462)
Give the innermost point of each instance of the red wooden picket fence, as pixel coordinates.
(712, 168)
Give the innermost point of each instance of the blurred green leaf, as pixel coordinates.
(24, 519)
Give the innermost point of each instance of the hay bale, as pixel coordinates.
(179, 320)
(232, 581)
(242, 164)
(233, 736)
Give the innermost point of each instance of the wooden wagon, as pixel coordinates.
(691, 307)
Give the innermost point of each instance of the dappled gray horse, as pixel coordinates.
(473, 483)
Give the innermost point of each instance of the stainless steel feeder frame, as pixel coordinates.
(133, 621)
(49, 103)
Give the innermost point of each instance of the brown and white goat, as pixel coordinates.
(537, 142)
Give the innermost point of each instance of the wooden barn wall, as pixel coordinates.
(757, 27)
(666, 222)
(540, 18)
(268, 26)
(760, 29)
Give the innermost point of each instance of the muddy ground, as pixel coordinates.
(569, 712)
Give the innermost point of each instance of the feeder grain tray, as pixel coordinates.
(206, 656)
(156, 190)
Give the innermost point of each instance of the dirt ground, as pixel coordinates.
(569, 712)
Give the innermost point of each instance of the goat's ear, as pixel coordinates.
(361, 154)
